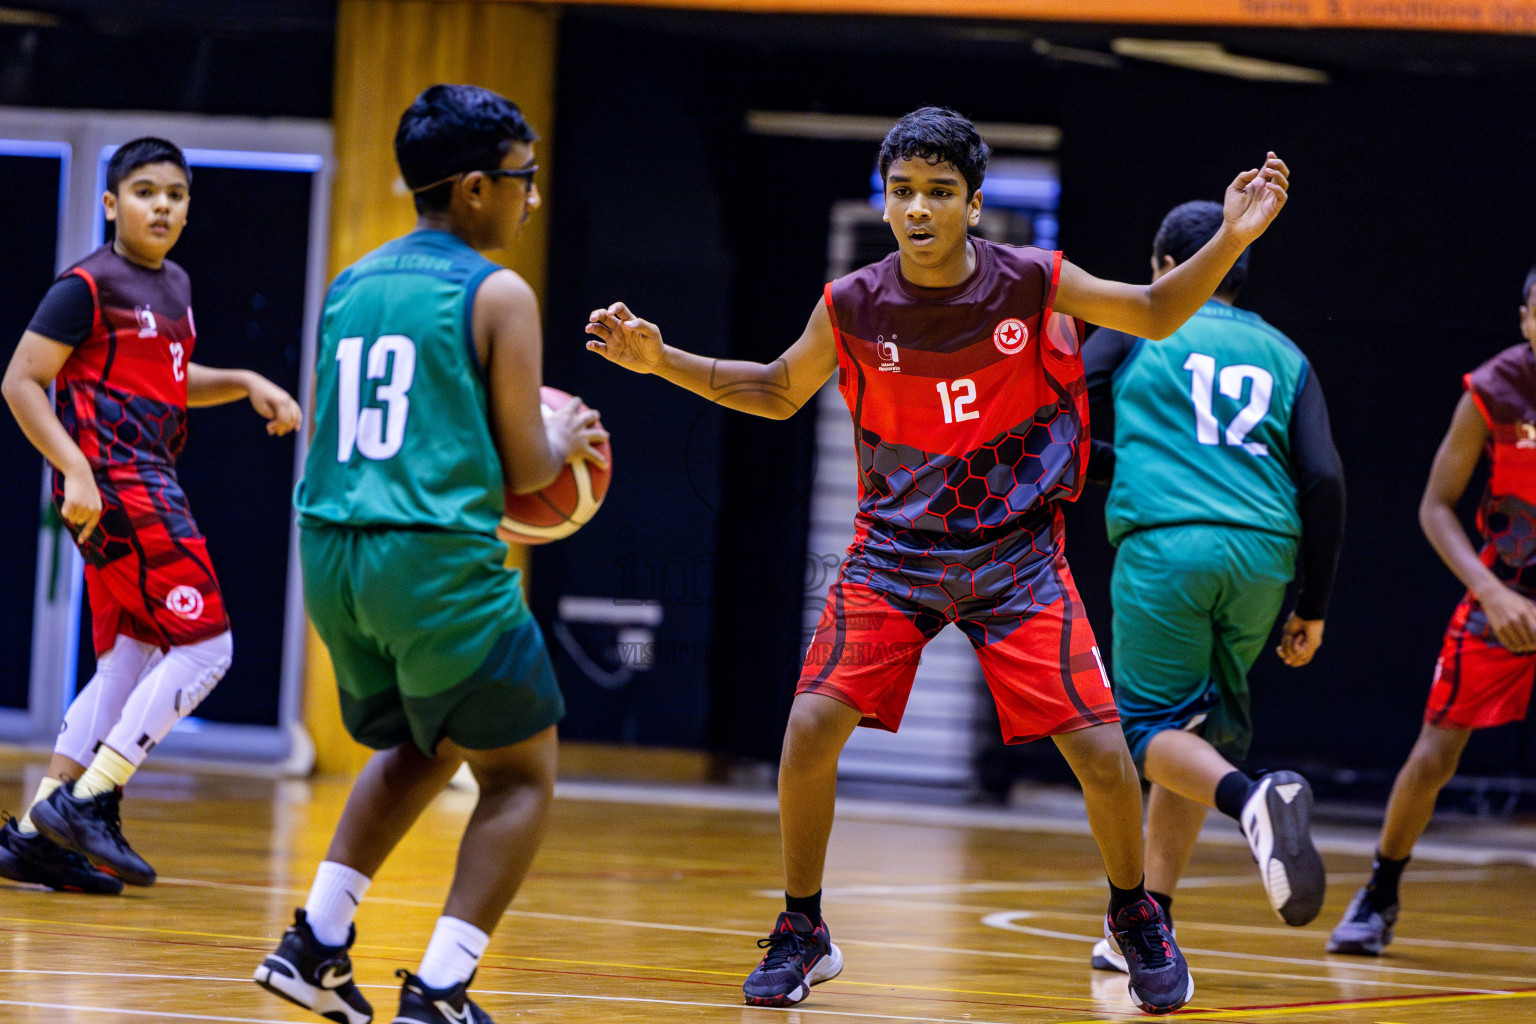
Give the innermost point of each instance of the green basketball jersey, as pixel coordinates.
(402, 428)
(1202, 427)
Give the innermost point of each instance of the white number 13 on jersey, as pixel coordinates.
(375, 432)
(1203, 375)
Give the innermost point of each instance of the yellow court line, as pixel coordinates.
(1366, 1004)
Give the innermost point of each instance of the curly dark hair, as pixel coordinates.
(938, 135)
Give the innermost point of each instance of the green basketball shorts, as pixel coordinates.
(429, 636)
(1193, 607)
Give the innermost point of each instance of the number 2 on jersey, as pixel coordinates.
(374, 431)
(1203, 375)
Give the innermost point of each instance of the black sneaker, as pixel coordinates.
(1277, 822)
(798, 957)
(1365, 929)
(1160, 981)
(314, 976)
(39, 860)
(92, 827)
(452, 1005)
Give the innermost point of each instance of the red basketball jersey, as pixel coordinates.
(1504, 390)
(123, 393)
(969, 403)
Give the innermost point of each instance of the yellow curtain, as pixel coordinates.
(387, 52)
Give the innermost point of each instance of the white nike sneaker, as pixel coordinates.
(313, 976)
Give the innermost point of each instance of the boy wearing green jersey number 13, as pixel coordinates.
(1222, 464)
(426, 397)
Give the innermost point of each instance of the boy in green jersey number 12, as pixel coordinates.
(1222, 464)
(426, 395)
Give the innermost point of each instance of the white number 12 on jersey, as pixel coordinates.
(1202, 369)
(964, 391)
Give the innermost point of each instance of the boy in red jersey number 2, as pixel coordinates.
(114, 335)
(1487, 664)
(990, 386)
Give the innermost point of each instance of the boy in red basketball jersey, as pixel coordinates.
(959, 360)
(1487, 661)
(115, 336)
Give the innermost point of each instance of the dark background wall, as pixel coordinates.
(1396, 267)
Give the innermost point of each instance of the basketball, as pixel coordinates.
(566, 505)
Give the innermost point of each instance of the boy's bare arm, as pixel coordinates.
(35, 363)
(1511, 615)
(1252, 202)
(533, 449)
(207, 385)
(775, 390)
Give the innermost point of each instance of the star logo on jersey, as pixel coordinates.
(890, 356)
(147, 326)
(1010, 336)
(185, 601)
(1525, 435)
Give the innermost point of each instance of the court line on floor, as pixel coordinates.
(1005, 920)
(1328, 838)
(1298, 1009)
(480, 992)
(161, 1014)
(1006, 954)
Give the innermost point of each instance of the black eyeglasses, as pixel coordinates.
(526, 173)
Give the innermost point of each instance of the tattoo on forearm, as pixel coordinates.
(725, 384)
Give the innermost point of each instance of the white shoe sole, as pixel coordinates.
(300, 993)
(1189, 993)
(1277, 822)
(1107, 958)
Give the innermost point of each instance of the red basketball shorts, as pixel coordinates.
(1478, 684)
(147, 571)
(1033, 641)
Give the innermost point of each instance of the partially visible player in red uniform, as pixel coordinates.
(959, 361)
(1487, 661)
(115, 335)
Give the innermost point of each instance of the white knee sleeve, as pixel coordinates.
(169, 692)
(97, 707)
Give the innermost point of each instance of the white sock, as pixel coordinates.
(108, 770)
(44, 791)
(333, 900)
(453, 954)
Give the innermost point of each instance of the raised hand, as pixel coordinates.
(1255, 198)
(623, 338)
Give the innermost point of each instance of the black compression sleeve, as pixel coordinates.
(1103, 353)
(1319, 476)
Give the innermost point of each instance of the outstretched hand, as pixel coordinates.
(621, 337)
(1255, 198)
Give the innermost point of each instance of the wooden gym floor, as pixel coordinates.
(646, 901)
